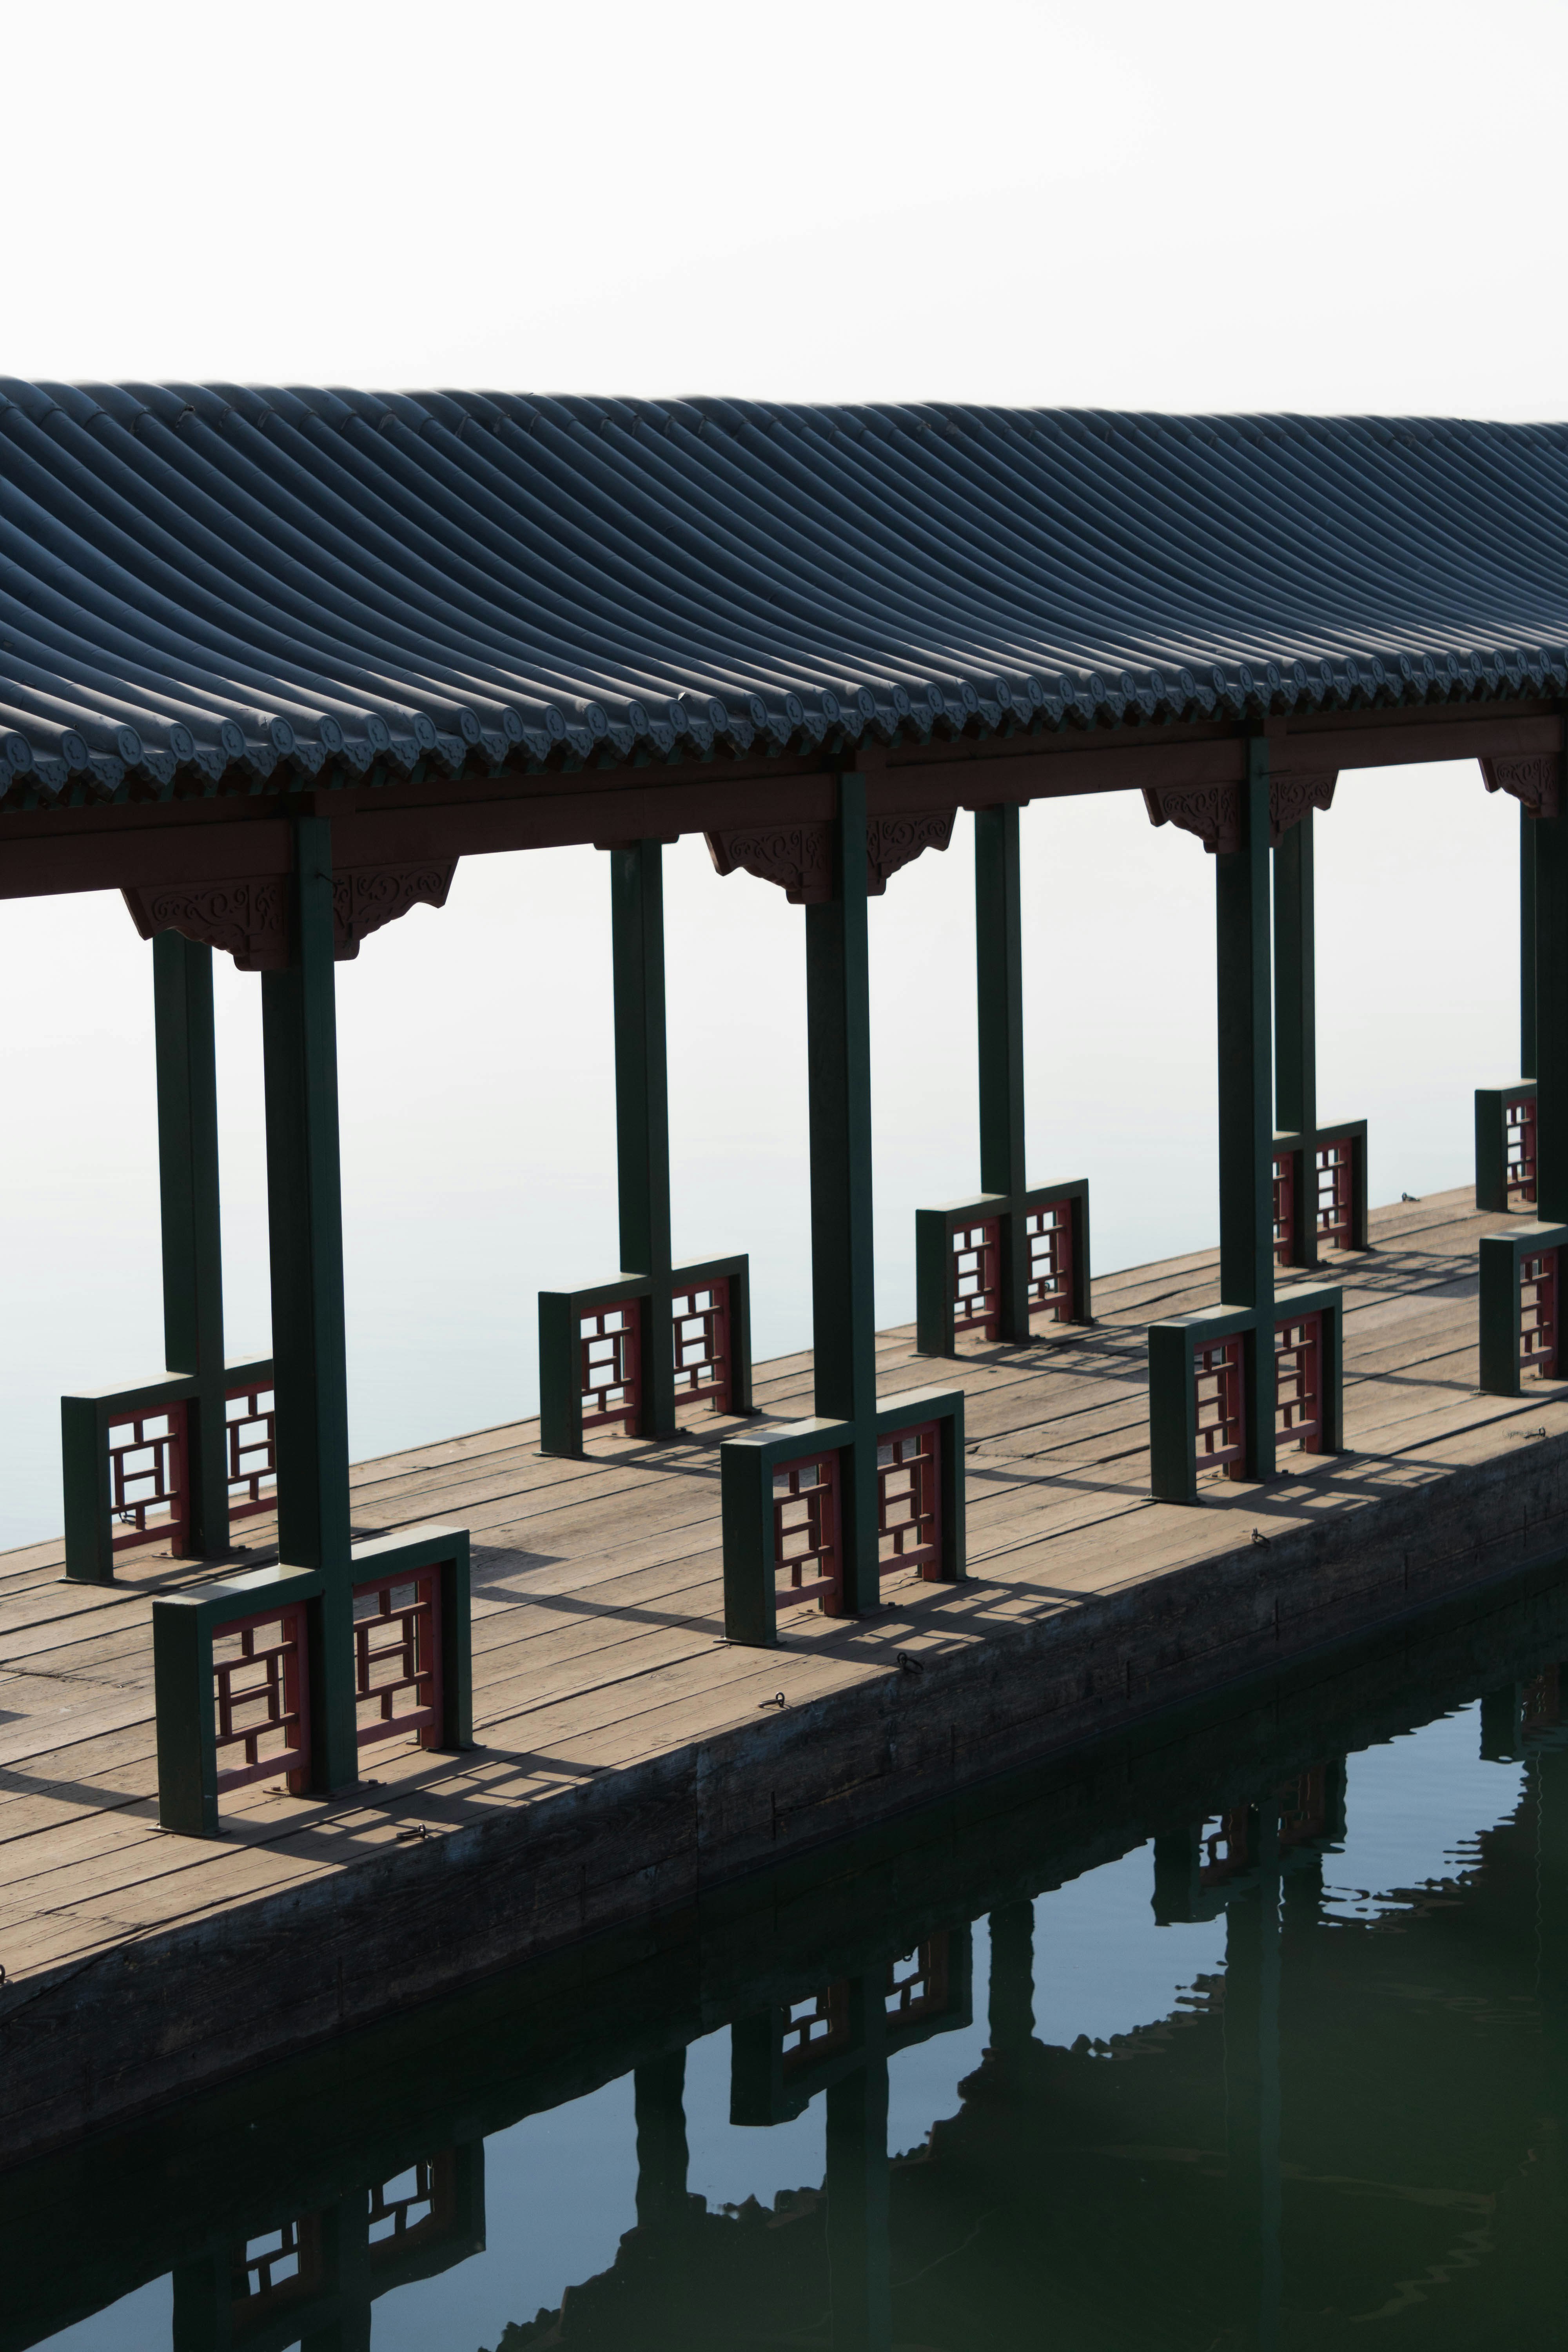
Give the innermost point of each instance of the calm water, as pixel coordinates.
(1237, 2040)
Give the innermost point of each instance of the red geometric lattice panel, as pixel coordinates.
(250, 1439)
(1047, 1237)
(1221, 1413)
(611, 1350)
(1538, 1314)
(909, 1500)
(397, 1658)
(261, 1697)
(147, 1494)
(1299, 1384)
(1335, 1166)
(1284, 1208)
(805, 1533)
(976, 1278)
(1518, 1127)
(700, 1335)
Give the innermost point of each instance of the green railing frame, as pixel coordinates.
(1491, 1143)
(1304, 1239)
(746, 1467)
(85, 1422)
(1500, 1310)
(1173, 1388)
(560, 1360)
(184, 1624)
(935, 1328)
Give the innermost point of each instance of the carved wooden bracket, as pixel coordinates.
(249, 919)
(1289, 798)
(1536, 783)
(1214, 810)
(799, 857)
(1211, 811)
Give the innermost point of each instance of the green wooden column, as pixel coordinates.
(659, 2091)
(642, 1102)
(1012, 2011)
(1296, 1019)
(191, 1219)
(1548, 1057)
(843, 1298)
(1527, 1012)
(1245, 1098)
(858, 2251)
(999, 975)
(304, 1190)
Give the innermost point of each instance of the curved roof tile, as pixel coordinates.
(209, 586)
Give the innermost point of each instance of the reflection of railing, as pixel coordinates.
(782, 2057)
(132, 1464)
(1200, 1869)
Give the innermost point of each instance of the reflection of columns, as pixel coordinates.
(304, 1193)
(1252, 2073)
(858, 2251)
(192, 1223)
(1011, 2019)
(659, 2090)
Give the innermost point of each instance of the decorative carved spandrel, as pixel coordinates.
(248, 918)
(799, 857)
(1536, 783)
(1211, 811)
(1289, 798)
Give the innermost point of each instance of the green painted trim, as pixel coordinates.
(1551, 1018)
(560, 1366)
(1500, 1319)
(1245, 1092)
(746, 1466)
(1173, 1388)
(448, 1549)
(191, 1220)
(1491, 1143)
(182, 1628)
(999, 1004)
(935, 1320)
(1527, 959)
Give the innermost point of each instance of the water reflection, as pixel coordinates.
(1222, 2044)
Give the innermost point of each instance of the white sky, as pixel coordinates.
(1340, 207)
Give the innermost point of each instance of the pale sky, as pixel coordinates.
(1327, 208)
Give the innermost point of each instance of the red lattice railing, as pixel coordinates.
(1224, 1849)
(250, 1439)
(917, 1985)
(1284, 1208)
(1221, 1413)
(978, 1278)
(818, 2027)
(281, 2266)
(1335, 1177)
(1538, 1314)
(611, 1358)
(909, 1500)
(805, 1533)
(415, 2205)
(1047, 1237)
(261, 1697)
(700, 1333)
(397, 1657)
(1299, 1384)
(1519, 1130)
(147, 1491)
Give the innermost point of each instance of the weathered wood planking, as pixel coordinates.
(626, 1757)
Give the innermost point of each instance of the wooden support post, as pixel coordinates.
(1547, 1032)
(1012, 2017)
(191, 1219)
(1296, 1026)
(1246, 1127)
(999, 975)
(1526, 984)
(658, 2093)
(843, 1297)
(305, 1227)
(642, 1106)
(858, 2251)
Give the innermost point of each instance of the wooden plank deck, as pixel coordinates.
(597, 1626)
